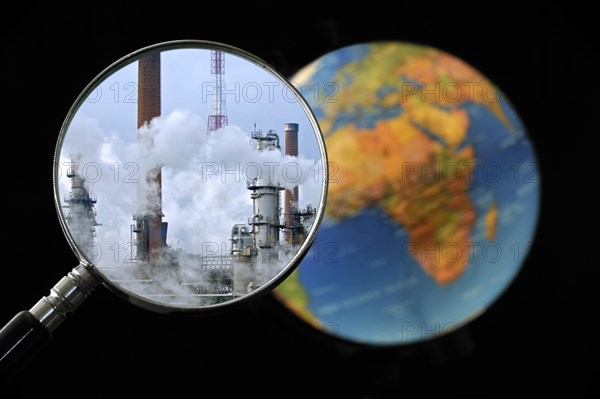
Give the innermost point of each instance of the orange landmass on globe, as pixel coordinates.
(491, 221)
(413, 164)
(450, 126)
(446, 80)
(402, 170)
(418, 74)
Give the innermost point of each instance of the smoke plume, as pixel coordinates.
(204, 193)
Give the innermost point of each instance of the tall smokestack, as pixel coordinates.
(149, 108)
(291, 195)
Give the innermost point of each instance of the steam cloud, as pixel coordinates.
(204, 190)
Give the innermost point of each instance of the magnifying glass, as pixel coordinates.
(189, 177)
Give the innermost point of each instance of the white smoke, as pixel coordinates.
(204, 190)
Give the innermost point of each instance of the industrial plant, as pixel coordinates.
(258, 247)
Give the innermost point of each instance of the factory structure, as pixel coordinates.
(81, 215)
(259, 247)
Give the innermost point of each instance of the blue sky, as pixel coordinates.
(253, 96)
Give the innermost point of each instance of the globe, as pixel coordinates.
(433, 196)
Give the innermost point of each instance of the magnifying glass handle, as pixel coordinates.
(27, 332)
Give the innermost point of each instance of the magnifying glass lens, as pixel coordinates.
(190, 176)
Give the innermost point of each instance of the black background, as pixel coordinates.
(536, 339)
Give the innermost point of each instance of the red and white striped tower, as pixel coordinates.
(217, 117)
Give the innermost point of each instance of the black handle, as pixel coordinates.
(25, 335)
(20, 340)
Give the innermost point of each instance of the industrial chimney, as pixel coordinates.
(149, 228)
(291, 195)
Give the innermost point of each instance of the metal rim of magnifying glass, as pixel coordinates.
(133, 57)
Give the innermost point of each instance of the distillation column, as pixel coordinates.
(254, 260)
(82, 215)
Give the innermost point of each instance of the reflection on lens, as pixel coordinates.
(191, 177)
